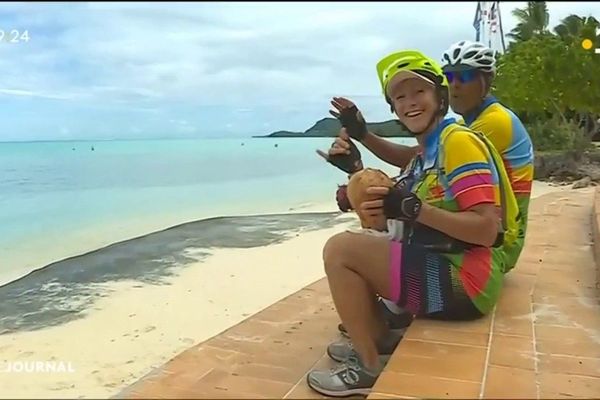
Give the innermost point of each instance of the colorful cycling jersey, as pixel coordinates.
(456, 170)
(508, 134)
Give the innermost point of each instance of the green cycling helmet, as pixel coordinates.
(410, 62)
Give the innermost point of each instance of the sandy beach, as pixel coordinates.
(133, 327)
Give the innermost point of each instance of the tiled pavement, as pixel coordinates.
(266, 356)
(542, 340)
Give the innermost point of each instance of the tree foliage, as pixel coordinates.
(532, 20)
(547, 76)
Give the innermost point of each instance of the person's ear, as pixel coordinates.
(484, 88)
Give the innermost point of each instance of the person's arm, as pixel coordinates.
(396, 154)
(478, 225)
(470, 183)
(355, 126)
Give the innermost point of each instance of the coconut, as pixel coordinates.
(357, 194)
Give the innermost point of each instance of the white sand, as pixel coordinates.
(135, 329)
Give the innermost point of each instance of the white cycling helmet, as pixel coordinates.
(470, 55)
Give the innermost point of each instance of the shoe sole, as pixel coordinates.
(343, 393)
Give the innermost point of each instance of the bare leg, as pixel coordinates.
(357, 268)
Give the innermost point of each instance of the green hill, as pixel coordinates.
(330, 127)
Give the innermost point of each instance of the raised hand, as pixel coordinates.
(343, 154)
(350, 117)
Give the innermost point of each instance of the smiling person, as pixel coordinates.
(470, 68)
(454, 186)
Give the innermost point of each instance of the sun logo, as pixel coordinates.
(587, 44)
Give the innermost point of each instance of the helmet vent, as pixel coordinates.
(470, 54)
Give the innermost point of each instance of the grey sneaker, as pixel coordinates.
(348, 379)
(342, 350)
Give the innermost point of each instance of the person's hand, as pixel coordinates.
(397, 202)
(343, 154)
(401, 203)
(374, 208)
(341, 198)
(350, 117)
(340, 145)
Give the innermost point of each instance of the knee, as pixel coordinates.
(334, 251)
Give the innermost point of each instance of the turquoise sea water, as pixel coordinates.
(51, 190)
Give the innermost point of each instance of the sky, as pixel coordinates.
(101, 71)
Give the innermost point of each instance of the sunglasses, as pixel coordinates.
(463, 76)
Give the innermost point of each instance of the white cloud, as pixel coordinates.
(175, 60)
(28, 93)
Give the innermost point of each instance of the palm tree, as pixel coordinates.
(571, 31)
(575, 28)
(533, 20)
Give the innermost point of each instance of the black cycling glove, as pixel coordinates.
(351, 118)
(401, 203)
(349, 163)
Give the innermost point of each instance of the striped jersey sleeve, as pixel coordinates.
(468, 170)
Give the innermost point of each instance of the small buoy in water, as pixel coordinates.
(92, 148)
(73, 149)
(276, 145)
(242, 143)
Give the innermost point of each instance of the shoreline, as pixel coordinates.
(84, 242)
(136, 326)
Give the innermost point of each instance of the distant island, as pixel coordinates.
(330, 127)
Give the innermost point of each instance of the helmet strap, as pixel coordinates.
(486, 83)
(441, 101)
